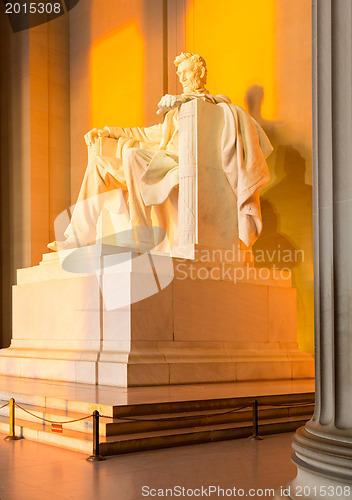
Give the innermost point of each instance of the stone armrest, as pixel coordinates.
(103, 146)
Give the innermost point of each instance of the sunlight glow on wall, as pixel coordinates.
(117, 62)
(242, 33)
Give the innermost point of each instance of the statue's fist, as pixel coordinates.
(168, 102)
(93, 134)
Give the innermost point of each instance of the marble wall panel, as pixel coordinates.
(39, 314)
(282, 315)
(214, 311)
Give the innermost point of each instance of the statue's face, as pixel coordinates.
(189, 76)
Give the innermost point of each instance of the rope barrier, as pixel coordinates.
(134, 419)
(12, 435)
(255, 434)
(171, 419)
(96, 457)
(54, 421)
(267, 407)
(279, 405)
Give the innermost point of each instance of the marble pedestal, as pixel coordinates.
(104, 315)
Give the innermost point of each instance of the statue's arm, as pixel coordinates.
(94, 134)
(154, 135)
(149, 135)
(168, 102)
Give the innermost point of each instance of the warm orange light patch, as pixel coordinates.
(117, 62)
(237, 40)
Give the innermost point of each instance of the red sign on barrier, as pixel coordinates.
(56, 428)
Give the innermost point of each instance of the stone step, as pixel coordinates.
(135, 424)
(69, 405)
(209, 404)
(200, 418)
(148, 418)
(197, 435)
(85, 398)
(127, 443)
(126, 410)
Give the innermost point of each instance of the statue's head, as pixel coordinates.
(192, 72)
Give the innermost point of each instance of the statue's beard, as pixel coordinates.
(196, 84)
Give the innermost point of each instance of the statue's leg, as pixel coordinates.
(135, 163)
(165, 216)
(103, 174)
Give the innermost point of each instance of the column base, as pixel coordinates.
(324, 466)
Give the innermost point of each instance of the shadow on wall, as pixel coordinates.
(287, 237)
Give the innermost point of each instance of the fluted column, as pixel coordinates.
(323, 448)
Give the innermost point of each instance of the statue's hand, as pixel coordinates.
(93, 134)
(168, 102)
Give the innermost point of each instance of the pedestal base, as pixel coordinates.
(108, 316)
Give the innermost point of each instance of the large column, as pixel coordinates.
(323, 448)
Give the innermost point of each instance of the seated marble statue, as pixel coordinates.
(146, 164)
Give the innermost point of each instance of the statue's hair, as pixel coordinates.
(198, 61)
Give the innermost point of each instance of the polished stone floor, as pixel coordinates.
(31, 471)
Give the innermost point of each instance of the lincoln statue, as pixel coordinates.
(145, 168)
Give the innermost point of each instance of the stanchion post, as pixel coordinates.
(12, 436)
(255, 434)
(96, 457)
